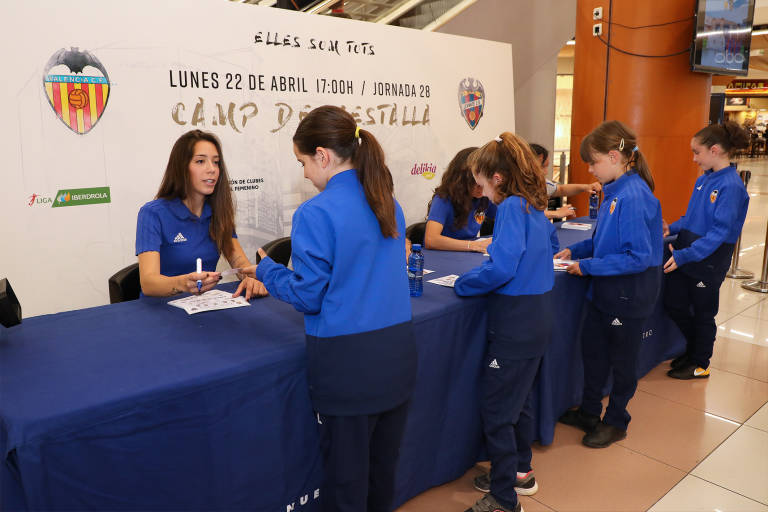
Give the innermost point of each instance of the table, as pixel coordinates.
(138, 406)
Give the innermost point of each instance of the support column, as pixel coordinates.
(659, 98)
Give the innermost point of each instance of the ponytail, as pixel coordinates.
(616, 136)
(513, 159)
(334, 128)
(639, 163)
(729, 136)
(373, 173)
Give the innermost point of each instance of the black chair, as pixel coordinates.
(486, 228)
(279, 250)
(415, 233)
(125, 284)
(10, 309)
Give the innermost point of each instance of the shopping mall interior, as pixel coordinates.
(213, 411)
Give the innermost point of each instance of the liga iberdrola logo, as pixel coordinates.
(471, 101)
(77, 86)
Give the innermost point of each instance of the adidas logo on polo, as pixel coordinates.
(179, 238)
(494, 364)
(616, 321)
(701, 285)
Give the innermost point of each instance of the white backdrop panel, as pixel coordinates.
(59, 258)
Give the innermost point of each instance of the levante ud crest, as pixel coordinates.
(471, 101)
(77, 86)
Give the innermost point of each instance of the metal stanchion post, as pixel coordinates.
(735, 272)
(563, 170)
(761, 285)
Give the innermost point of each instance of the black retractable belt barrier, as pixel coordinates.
(735, 272)
(761, 285)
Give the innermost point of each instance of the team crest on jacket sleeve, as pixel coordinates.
(713, 196)
(471, 101)
(613, 205)
(77, 87)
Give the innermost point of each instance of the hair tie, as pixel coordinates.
(498, 139)
(635, 149)
(621, 144)
(357, 132)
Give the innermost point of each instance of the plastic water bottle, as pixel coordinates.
(416, 270)
(593, 203)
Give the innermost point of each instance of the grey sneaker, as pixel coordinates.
(525, 486)
(489, 504)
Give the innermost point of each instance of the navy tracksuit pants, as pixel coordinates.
(692, 304)
(610, 343)
(360, 455)
(506, 410)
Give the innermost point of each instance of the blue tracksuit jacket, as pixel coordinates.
(519, 275)
(350, 282)
(624, 255)
(708, 231)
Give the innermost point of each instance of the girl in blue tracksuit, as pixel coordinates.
(624, 258)
(519, 277)
(349, 281)
(706, 235)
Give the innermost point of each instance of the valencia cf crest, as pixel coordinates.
(471, 101)
(613, 205)
(713, 196)
(77, 86)
(479, 217)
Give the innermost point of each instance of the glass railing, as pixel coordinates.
(418, 14)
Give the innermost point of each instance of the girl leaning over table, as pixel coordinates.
(192, 216)
(519, 277)
(701, 255)
(624, 258)
(349, 281)
(457, 210)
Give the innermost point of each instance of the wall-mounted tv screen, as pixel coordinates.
(722, 36)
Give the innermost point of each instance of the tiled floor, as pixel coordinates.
(692, 445)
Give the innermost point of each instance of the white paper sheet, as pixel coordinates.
(445, 280)
(209, 301)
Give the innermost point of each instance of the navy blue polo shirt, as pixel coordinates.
(441, 212)
(168, 227)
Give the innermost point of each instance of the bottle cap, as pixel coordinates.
(416, 247)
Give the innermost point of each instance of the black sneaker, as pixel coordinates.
(489, 504)
(482, 483)
(679, 361)
(603, 436)
(689, 371)
(525, 486)
(579, 418)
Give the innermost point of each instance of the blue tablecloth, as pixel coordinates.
(138, 406)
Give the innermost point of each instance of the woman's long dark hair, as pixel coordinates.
(456, 186)
(615, 135)
(333, 128)
(513, 159)
(175, 184)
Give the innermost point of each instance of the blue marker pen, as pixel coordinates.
(199, 271)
